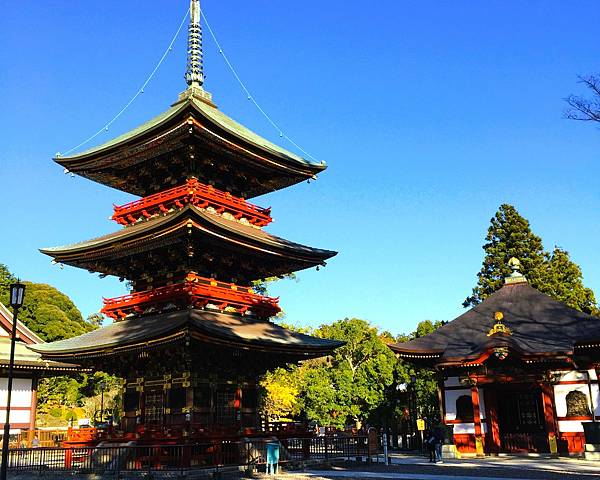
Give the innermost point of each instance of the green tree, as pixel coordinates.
(280, 394)
(563, 281)
(46, 311)
(554, 274)
(95, 319)
(262, 286)
(6, 279)
(509, 235)
(426, 383)
(51, 314)
(349, 385)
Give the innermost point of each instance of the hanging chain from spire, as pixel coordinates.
(194, 74)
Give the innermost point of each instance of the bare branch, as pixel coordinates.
(585, 109)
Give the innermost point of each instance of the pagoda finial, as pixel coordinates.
(194, 73)
(516, 276)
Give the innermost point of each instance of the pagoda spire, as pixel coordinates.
(194, 74)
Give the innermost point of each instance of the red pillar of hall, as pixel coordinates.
(477, 421)
(549, 417)
(490, 396)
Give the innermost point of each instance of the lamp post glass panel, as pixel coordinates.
(17, 295)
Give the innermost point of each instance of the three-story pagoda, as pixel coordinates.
(192, 337)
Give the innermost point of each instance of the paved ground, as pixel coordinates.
(406, 467)
(412, 467)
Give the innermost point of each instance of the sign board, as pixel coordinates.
(420, 424)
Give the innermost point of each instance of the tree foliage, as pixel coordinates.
(46, 311)
(280, 394)
(554, 274)
(352, 382)
(563, 280)
(426, 383)
(52, 315)
(509, 235)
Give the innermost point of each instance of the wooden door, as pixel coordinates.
(521, 421)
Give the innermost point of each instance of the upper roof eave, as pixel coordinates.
(209, 112)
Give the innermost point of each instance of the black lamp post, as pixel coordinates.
(412, 401)
(17, 294)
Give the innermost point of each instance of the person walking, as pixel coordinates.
(439, 434)
(430, 444)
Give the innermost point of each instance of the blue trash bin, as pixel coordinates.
(272, 457)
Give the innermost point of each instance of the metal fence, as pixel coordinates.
(197, 456)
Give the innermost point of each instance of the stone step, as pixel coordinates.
(592, 455)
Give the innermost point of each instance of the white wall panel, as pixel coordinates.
(570, 426)
(21, 393)
(16, 416)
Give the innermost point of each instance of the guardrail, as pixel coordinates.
(198, 456)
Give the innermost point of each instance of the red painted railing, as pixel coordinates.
(194, 291)
(195, 193)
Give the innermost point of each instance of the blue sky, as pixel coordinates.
(429, 114)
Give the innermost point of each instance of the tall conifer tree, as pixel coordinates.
(509, 236)
(563, 280)
(554, 274)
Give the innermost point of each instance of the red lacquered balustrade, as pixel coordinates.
(195, 193)
(195, 291)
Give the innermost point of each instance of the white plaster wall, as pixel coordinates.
(577, 375)
(21, 392)
(560, 396)
(16, 416)
(452, 382)
(450, 397)
(570, 426)
(460, 428)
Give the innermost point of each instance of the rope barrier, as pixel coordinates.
(140, 90)
(249, 95)
(164, 56)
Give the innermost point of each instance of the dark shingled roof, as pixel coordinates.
(539, 325)
(212, 327)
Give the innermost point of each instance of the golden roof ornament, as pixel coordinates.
(499, 326)
(516, 276)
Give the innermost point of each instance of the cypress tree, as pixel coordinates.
(563, 280)
(509, 235)
(554, 274)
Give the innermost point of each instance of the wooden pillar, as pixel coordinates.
(490, 396)
(477, 421)
(33, 408)
(441, 398)
(549, 417)
(237, 405)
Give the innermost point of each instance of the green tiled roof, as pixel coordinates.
(208, 111)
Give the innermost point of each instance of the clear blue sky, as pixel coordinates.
(430, 114)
